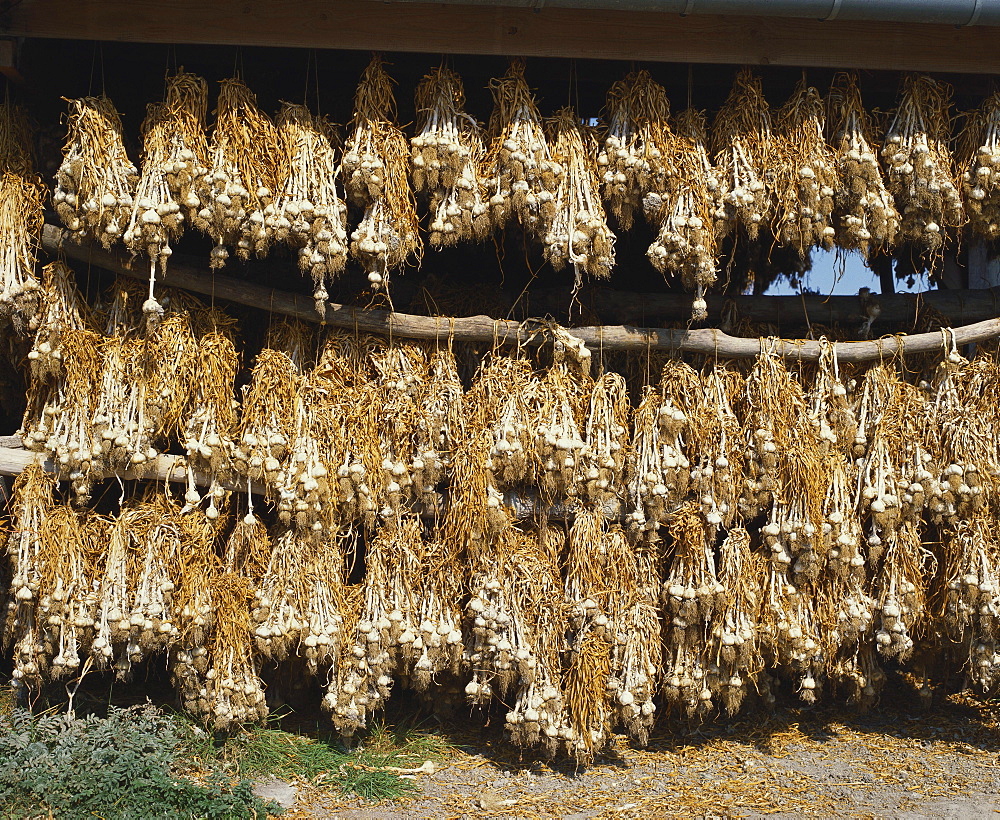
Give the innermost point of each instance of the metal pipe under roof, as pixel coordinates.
(941, 12)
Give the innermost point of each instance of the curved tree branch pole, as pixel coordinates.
(706, 341)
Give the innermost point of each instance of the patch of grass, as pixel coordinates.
(371, 770)
(260, 750)
(374, 784)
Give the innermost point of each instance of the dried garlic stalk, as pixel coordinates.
(979, 148)
(521, 176)
(634, 159)
(446, 155)
(309, 213)
(21, 220)
(919, 168)
(247, 169)
(172, 186)
(687, 210)
(376, 173)
(578, 233)
(743, 142)
(807, 178)
(864, 210)
(96, 182)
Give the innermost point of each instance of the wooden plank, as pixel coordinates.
(14, 458)
(549, 32)
(707, 341)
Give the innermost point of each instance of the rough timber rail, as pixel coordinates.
(706, 341)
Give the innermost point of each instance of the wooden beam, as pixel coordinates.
(709, 342)
(545, 32)
(14, 458)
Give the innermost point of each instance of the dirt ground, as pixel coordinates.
(896, 762)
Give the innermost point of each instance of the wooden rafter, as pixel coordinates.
(549, 32)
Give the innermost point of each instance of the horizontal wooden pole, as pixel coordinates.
(707, 341)
(546, 32)
(172, 468)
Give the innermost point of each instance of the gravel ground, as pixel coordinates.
(896, 762)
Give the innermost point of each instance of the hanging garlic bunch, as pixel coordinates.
(660, 469)
(918, 165)
(324, 602)
(743, 143)
(31, 505)
(578, 233)
(633, 583)
(807, 178)
(896, 471)
(144, 386)
(247, 170)
(334, 465)
(376, 160)
(980, 159)
(775, 415)
(864, 211)
(154, 532)
(21, 221)
(68, 603)
(194, 609)
(277, 608)
(64, 311)
(121, 554)
(402, 370)
(601, 460)
(439, 428)
(841, 526)
(266, 422)
(830, 409)
(693, 598)
(209, 421)
(234, 690)
(559, 417)
(899, 591)
(511, 458)
(302, 479)
(516, 637)
(439, 589)
(794, 529)
(172, 184)
(520, 174)
(686, 211)
(587, 688)
(972, 597)
(963, 420)
(446, 155)
(476, 510)
(309, 213)
(733, 642)
(717, 450)
(60, 407)
(96, 182)
(789, 630)
(386, 638)
(633, 159)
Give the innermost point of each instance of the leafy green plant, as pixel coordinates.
(120, 767)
